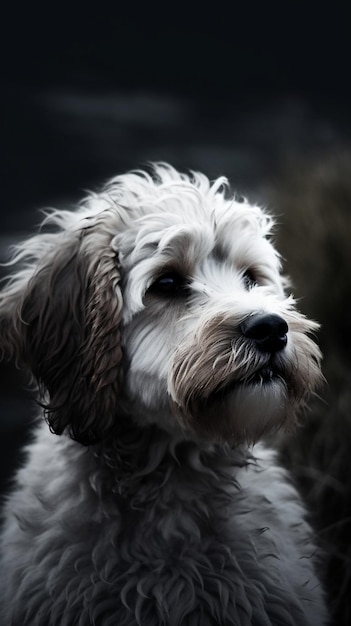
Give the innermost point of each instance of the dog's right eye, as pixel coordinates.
(169, 284)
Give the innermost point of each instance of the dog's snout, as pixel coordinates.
(268, 331)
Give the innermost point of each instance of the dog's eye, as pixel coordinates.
(169, 284)
(249, 279)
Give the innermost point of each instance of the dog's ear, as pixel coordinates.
(60, 317)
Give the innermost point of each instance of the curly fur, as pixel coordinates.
(166, 515)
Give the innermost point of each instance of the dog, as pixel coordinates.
(155, 323)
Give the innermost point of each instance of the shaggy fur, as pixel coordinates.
(147, 318)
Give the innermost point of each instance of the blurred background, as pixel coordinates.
(261, 95)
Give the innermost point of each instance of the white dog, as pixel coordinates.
(154, 320)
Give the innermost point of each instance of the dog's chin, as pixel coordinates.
(242, 411)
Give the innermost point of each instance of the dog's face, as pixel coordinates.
(179, 288)
(211, 342)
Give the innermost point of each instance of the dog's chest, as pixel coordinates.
(191, 546)
(186, 544)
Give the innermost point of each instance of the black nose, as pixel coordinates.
(266, 330)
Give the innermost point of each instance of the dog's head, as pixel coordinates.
(160, 298)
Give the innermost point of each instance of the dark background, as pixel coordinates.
(233, 90)
(260, 94)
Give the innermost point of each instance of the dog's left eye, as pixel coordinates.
(169, 284)
(249, 279)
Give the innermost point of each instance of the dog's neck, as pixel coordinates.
(134, 455)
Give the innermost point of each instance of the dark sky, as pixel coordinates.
(220, 59)
(208, 49)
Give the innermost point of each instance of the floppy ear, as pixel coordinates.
(62, 321)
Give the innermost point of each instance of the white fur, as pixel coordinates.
(169, 516)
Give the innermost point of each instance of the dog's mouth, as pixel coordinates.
(262, 377)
